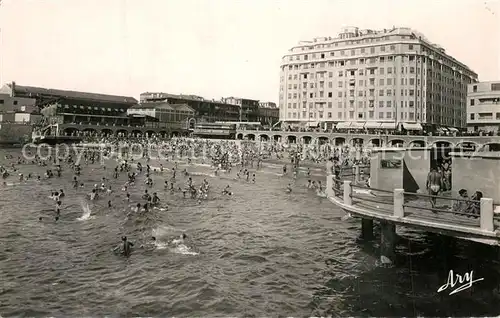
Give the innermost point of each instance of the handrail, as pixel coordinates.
(440, 210)
(369, 188)
(371, 200)
(439, 197)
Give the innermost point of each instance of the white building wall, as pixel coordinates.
(483, 106)
(381, 77)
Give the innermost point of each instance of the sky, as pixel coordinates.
(213, 48)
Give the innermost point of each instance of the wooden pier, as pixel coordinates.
(399, 208)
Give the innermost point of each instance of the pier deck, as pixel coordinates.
(416, 211)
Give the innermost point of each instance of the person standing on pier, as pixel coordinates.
(434, 185)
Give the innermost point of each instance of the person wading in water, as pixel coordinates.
(434, 180)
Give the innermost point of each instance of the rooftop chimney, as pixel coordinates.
(13, 89)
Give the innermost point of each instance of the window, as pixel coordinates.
(330, 84)
(339, 115)
(360, 115)
(341, 73)
(389, 81)
(15, 102)
(330, 94)
(311, 95)
(340, 104)
(372, 50)
(340, 94)
(410, 47)
(412, 81)
(381, 82)
(381, 92)
(360, 93)
(380, 115)
(474, 89)
(372, 71)
(389, 115)
(305, 76)
(393, 47)
(472, 102)
(330, 74)
(381, 71)
(329, 104)
(329, 115)
(1, 101)
(322, 55)
(389, 104)
(362, 50)
(495, 87)
(381, 103)
(340, 84)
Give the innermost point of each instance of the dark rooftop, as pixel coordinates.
(33, 91)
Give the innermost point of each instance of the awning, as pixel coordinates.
(358, 125)
(452, 129)
(312, 124)
(344, 125)
(372, 125)
(388, 126)
(412, 126)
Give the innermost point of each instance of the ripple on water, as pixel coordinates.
(262, 253)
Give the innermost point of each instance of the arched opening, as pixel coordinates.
(357, 141)
(306, 139)
(323, 140)
(442, 144)
(136, 133)
(277, 138)
(175, 134)
(163, 134)
(239, 136)
(89, 132)
(251, 137)
(150, 133)
(339, 141)
(397, 143)
(416, 143)
(191, 123)
(121, 133)
(106, 132)
(291, 139)
(467, 146)
(375, 142)
(71, 131)
(491, 146)
(264, 138)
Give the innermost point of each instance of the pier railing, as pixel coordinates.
(401, 204)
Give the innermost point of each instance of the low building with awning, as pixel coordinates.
(372, 125)
(412, 126)
(390, 125)
(358, 125)
(344, 125)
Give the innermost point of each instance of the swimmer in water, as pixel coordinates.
(126, 248)
(288, 188)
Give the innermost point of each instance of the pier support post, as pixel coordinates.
(347, 192)
(366, 229)
(329, 186)
(399, 210)
(387, 242)
(486, 214)
(356, 174)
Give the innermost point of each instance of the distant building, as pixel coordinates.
(205, 110)
(180, 116)
(373, 79)
(268, 116)
(17, 114)
(483, 107)
(268, 105)
(75, 113)
(249, 108)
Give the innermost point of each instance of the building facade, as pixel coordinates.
(267, 105)
(483, 107)
(17, 114)
(268, 116)
(205, 110)
(392, 78)
(249, 108)
(178, 116)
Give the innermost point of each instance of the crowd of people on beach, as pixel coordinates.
(116, 159)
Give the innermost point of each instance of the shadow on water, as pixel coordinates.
(409, 287)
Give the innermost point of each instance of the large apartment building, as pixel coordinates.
(373, 79)
(483, 107)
